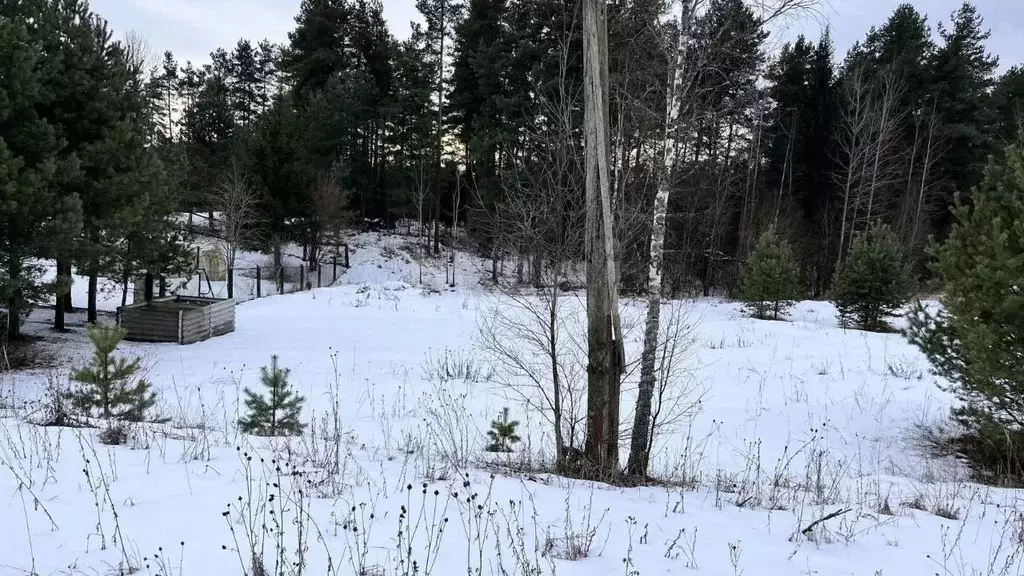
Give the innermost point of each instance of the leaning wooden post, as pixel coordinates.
(603, 328)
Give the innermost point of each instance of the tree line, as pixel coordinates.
(477, 118)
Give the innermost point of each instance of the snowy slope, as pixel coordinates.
(797, 420)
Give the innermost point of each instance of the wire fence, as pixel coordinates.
(253, 282)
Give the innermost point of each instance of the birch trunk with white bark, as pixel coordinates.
(639, 450)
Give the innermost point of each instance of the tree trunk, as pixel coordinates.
(60, 307)
(642, 436)
(555, 375)
(924, 177)
(126, 277)
(603, 329)
(94, 284)
(14, 299)
(437, 226)
(494, 265)
(69, 305)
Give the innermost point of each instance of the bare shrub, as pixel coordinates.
(946, 510)
(904, 368)
(54, 408)
(459, 365)
(534, 344)
(576, 540)
(677, 395)
(454, 438)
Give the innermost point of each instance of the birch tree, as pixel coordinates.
(684, 68)
(855, 127)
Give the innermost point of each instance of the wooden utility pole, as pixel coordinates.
(604, 335)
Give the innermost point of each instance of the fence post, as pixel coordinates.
(259, 283)
(197, 257)
(163, 286)
(231, 282)
(319, 276)
(334, 275)
(302, 277)
(346, 256)
(280, 280)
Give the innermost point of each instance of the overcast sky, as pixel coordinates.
(194, 28)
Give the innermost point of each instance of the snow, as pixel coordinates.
(796, 420)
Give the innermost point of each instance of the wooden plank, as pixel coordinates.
(148, 324)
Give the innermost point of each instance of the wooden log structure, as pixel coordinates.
(181, 319)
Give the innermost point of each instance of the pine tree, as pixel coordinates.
(771, 281)
(1007, 105)
(873, 283)
(503, 433)
(164, 87)
(319, 47)
(273, 155)
(975, 340)
(278, 414)
(110, 387)
(963, 74)
(39, 216)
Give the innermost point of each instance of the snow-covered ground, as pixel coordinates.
(781, 424)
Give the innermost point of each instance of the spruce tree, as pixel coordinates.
(503, 433)
(277, 414)
(975, 340)
(110, 387)
(771, 280)
(873, 283)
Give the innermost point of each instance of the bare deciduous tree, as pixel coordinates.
(536, 215)
(853, 144)
(329, 218)
(887, 116)
(138, 50)
(921, 180)
(235, 199)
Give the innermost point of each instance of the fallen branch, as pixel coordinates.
(825, 518)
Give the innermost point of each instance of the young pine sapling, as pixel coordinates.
(110, 387)
(278, 413)
(502, 433)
